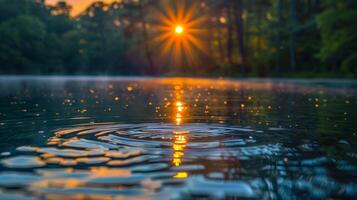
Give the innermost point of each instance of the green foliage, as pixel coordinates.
(339, 36)
(22, 42)
(242, 37)
(36, 38)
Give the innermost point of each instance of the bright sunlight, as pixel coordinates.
(179, 29)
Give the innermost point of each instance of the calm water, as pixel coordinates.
(100, 138)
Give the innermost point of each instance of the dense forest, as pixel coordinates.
(264, 38)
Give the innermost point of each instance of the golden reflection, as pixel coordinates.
(180, 175)
(179, 146)
(180, 137)
(179, 112)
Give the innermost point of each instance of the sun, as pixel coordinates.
(180, 33)
(179, 29)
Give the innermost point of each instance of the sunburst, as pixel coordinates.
(180, 32)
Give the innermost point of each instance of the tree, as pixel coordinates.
(21, 43)
(339, 38)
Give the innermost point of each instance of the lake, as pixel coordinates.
(177, 138)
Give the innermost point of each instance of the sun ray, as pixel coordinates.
(196, 43)
(180, 31)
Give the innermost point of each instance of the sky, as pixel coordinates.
(77, 5)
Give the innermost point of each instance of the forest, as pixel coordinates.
(235, 38)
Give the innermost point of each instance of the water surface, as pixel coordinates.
(172, 138)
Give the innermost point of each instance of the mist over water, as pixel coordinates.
(175, 138)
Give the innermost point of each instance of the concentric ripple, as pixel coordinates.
(165, 161)
(125, 144)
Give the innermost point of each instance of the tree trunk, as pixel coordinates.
(220, 45)
(240, 27)
(230, 37)
(148, 53)
(293, 19)
(278, 39)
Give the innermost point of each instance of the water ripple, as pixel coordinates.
(156, 161)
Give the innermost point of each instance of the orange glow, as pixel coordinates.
(181, 132)
(179, 105)
(180, 32)
(178, 120)
(130, 88)
(178, 147)
(179, 110)
(78, 6)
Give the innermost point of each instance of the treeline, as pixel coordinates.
(229, 37)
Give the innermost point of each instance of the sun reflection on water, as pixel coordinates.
(180, 137)
(179, 112)
(100, 156)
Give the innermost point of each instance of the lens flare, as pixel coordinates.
(180, 34)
